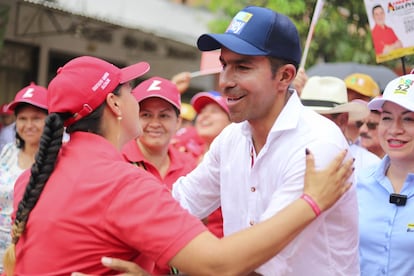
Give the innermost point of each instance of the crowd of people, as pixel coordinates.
(277, 173)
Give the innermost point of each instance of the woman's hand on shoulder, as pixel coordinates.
(326, 186)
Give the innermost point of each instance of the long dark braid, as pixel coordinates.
(45, 161)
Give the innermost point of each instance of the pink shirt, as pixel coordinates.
(181, 162)
(95, 204)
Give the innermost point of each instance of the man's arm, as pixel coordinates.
(241, 252)
(390, 47)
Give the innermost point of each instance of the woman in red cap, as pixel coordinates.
(82, 200)
(159, 114)
(159, 104)
(30, 109)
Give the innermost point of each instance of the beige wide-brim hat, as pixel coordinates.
(328, 95)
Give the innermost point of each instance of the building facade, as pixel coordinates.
(39, 36)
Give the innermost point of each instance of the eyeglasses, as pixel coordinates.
(370, 125)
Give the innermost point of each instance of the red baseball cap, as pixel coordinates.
(33, 94)
(82, 84)
(160, 88)
(200, 100)
(4, 110)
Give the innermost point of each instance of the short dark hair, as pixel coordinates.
(375, 7)
(276, 63)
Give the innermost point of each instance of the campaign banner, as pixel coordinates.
(392, 28)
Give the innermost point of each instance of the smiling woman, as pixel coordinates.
(160, 103)
(30, 109)
(385, 191)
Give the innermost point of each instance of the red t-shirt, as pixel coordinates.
(95, 204)
(215, 223)
(382, 36)
(181, 163)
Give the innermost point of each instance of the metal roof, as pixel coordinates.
(159, 17)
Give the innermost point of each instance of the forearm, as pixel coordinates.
(393, 46)
(243, 252)
(246, 250)
(397, 45)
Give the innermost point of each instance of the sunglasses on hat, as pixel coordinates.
(370, 125)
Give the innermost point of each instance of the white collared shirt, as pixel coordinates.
(250, 194)
(364, 159)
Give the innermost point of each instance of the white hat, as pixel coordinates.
(328, 95)
(399, 91)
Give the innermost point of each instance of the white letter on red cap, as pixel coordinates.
(154, 85)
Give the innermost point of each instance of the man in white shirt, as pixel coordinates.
(255, 167)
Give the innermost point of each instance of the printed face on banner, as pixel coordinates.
(392, 28)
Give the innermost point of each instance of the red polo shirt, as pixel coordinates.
(181, 163)
(95, 204)
(382, 36)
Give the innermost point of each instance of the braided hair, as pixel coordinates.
(45, 162)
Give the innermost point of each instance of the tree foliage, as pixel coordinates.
(342, 32)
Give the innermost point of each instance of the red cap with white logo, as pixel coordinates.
(33, 94)
(4, 110)
(159, 88)
(83, 83)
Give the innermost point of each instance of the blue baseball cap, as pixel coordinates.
(257, 31)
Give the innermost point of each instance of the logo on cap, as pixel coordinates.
(359, 81)
(403, 86)
(28, 93)
(238, 22)
(155, 85)
(103, 82)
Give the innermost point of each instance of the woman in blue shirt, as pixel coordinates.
(385, 192)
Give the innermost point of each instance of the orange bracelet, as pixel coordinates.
(312, 204)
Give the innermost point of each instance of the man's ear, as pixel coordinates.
(342, 120)
(287, 73)
(285, 76)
